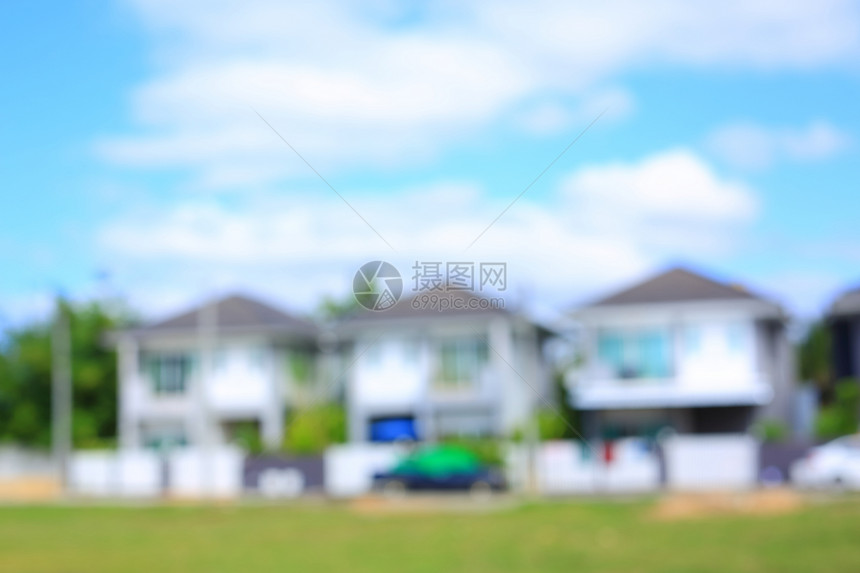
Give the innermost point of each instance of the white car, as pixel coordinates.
(835, 464)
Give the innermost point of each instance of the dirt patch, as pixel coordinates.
(29, 489)
(699, 505)
(373, 504)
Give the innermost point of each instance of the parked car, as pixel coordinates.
(835, 464)
(443, 467)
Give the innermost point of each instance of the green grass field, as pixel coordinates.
(564, 536)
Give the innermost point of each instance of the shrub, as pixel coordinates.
(771, 431)
(312, 430)
(247, 437)
(551, 425)
(485, 449)
(840, 417)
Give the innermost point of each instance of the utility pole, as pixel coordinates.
(61, 392)
(207, 340)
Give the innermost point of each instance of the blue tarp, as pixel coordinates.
(392, 429)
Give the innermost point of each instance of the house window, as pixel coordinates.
(474, 424)
(461, 362)
(164, 438)
(168, 373)
(636, 353)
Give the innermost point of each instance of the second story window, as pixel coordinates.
(642, 353)
(461, 361)
(168, 373)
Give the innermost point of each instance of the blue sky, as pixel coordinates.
(130, 146)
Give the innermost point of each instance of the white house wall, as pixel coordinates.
(715, 362)
(241, 383)
(711, 374)
(389, 375)
(395, 376)
(246, 381)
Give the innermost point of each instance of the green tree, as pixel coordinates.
(247, 436)
(25, 379)
(841, 417)
(814, 356)
(556, 420)
(331, 308)
(313, 429)
(569, 418)
(771, 430)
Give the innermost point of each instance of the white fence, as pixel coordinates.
(349, 468)
(572, 467)
(16, 463)
(559, 468)
(692, 462)
(141, 473)
(130, 473)
(200, 473)
(711, 462)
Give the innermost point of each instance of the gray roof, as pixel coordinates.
(677, 285)
(235, 313)
(846, 303)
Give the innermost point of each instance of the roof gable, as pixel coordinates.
(236, 312)
(676, 285)
(846, 303)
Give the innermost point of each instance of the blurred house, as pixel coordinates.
(423, 373)
(682, 351)
(844, 321)
(195, 378)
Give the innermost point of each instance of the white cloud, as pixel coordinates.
(606, 223)
(671, 185)
(358, 84)
(669, 202)
(550, 117)
(818, 141)
(18, 309)
(753, 146)
(593, 40)
(544, 118)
